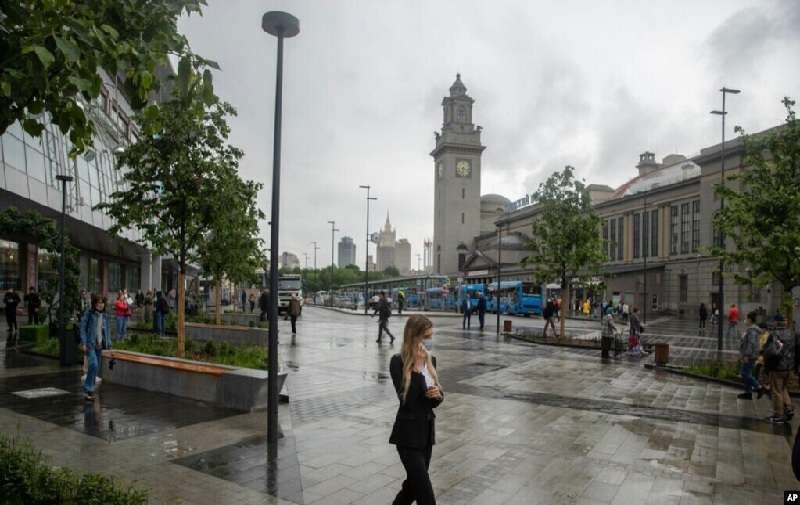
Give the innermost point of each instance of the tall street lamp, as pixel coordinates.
(722, 113)
(281, 25)
(334, 229)
(66, 355)
(316, 248)
(366, 253)
(497, 291)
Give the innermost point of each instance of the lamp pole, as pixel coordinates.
(497, 290)
(721, 280)
(645, 245)
(316, 248)
(366, 253)
(281, 25)
(334, 229)
(66, 357)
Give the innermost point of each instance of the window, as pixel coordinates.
(14, 152)
(47, 275)
(685, 220)
(636, 234)
(717, 235)
(684, 287)
(462, 218)
(612, 250)
(94, 275)
(114, 277)
(35, 158)
(654, 232)
(463, 193)
(10, 266)
(715, 278)
(673, 224)
(645, 234)
(605, 237)
(695, 225)
(621, 236)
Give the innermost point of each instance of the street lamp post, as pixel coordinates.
(334, 229)
(497, 289)
(66, 356)
(316, 248)
(645, 245)
(721, 307)
(366, 253)
(281, 25)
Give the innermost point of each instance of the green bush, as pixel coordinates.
(33, 332)
(26, 478)
(718, 370)
(47, 345)
(223, 353)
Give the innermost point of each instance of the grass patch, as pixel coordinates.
(47, 346)
(222, 353)
(717, 370)
(26, 477)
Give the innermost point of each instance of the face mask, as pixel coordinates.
(428, 344)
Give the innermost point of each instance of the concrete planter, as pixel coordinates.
(236, 335)
(226, 386)
(239, 318)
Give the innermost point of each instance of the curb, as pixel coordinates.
(723, 382)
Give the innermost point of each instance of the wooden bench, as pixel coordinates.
(168, 363)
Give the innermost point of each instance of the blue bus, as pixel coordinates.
(516, 298)
(440, 299)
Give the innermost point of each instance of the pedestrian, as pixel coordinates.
(10, 301)
(733, 321)
(748, 350)
(401, 301)
(466, 308)
(263, 305)
(779, 356)
(481, 309)
(139, 299)
(384, 311)
(32, 303)
(547, 314)
(95, 337)
(763, 338)
(243, 298)
(294, 311)
(635, 334)
(418, 389)
(703, 315)
(161, 311)
(587, 308)
(557, 309)
(148, 306)
(252, 301)
(122, 311)
(172, 298)
(625, 312)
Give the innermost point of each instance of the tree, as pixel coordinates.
(52, 52)
(231, 247)
(181, 160)
(566, 242)
(762, 216)
(391, 271)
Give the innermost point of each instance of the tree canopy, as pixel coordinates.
(761, 216)
(52, 53)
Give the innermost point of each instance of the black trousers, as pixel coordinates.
(11, 320)
(383, 325)
(465, 323)
(482, 318)
(417, 485)
(33, 316)
(294, 323)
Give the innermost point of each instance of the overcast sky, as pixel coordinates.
(590, 83)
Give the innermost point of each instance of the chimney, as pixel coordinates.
(647, 163)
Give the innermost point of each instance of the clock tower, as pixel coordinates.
(457, 182)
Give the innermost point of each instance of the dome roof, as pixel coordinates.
(494, 199)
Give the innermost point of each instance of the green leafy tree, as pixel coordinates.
(52, 52)
(391, 271)
(762, 216)
(181, 160)
(566, 242)
(231, 248)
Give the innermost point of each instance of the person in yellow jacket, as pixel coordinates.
(587, 307)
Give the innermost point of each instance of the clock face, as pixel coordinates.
(463, 168)
(439, 170)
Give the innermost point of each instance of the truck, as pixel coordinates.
(289, 284)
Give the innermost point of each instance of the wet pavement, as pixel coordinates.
(521, 424)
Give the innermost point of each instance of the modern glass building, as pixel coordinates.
(28, 182)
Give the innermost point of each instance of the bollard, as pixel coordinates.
(662, 354)
(506, 326)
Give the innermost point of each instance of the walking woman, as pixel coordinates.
(122, 311)
(417, 384)
(95, 336)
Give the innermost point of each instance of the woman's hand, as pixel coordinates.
(433, 393)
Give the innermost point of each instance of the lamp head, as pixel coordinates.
(280, 24)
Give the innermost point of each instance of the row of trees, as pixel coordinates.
(327, 278)
(183, 190)
(761, 218)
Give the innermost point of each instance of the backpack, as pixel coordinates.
(773, 354)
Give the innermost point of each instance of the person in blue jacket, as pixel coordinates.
(95, 336)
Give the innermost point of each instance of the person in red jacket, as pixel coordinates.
(123, 311)
(733, 321)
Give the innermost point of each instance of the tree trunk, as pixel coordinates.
(218, 300)
(181, 313)
(564, 307)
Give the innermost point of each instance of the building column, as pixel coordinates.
(30, 266)
(103, 264)
(155, 272)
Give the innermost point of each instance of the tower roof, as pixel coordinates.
(458, 88)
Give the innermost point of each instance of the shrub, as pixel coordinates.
(33, 332)
(26, 478)
(223, 353)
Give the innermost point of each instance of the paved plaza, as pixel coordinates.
(521, 424)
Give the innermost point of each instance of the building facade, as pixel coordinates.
(28, 182)
(402, 256)
(347, 252)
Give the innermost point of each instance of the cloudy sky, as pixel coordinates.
(591, 83)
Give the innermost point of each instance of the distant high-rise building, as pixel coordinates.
(402, 256)
(386, 240)
(371, 262)
(289, 260)
(347, 252)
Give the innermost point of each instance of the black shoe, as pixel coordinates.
(761, 392)
(378, 341)
(745, 396)
(776, 419)
(392, 340)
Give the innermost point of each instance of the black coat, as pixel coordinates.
(414, 425)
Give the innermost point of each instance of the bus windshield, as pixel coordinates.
(289, 284)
